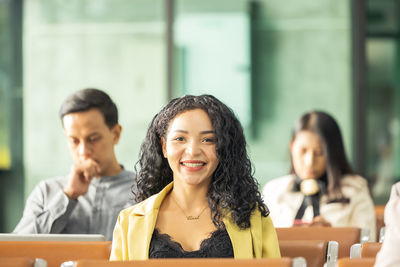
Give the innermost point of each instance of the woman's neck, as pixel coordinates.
(190, 198)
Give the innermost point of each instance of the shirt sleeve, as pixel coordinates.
(47, 210)
(389, 255)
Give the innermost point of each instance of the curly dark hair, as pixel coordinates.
(233, 188)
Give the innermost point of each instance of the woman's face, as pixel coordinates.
(307, 155)
(190, 147)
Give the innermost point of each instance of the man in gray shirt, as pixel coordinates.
(89, 199)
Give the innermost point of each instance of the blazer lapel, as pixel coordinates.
(144, 219)
(241, 239)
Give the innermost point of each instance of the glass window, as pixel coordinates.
(5, 85)
(114, 45)
(383, 97)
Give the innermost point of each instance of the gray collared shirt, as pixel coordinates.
(49, 210)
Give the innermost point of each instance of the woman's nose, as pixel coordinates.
(193, 148)
(309, 159)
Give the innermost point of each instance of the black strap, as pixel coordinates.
(307, 201)
(313, 200)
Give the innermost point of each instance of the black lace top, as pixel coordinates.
(217, 246)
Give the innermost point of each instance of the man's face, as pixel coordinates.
(90, 138)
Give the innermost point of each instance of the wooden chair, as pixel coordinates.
(380, 222)
(370, 249)
(21, 262)
(345, 236)
(283, 262)
(316, 252)
(362, 262)
(56, 252)
(365, 250)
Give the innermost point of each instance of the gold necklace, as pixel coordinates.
(188, 217)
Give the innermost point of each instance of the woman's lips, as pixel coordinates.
(191, 165)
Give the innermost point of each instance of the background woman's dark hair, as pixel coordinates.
(328, 130)
(233, 187)
(86, 99)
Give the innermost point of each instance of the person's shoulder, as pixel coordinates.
(273, 189)
(353, 184)
(396, 188)
(279, 183)
(57, 181)
(48, 187)
(354, 180)
(126, 174)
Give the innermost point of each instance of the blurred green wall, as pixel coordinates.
(301, 60)
(12, 178)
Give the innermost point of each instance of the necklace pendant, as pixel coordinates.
(189, 218)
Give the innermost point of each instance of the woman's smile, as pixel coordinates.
(193, 165)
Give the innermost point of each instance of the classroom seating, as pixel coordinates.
(361, 262)
(345, 236)
(365, 250)
(370, 249)
(56, 252)
(283, 262)
(317, 253)
(380, 220)
(381, 234)
(21, 262)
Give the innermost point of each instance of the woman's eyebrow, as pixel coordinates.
(202, 132)
(180, 131)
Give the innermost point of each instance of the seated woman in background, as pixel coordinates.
(199, 198)
(321, 189)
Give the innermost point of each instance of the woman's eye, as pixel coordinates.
(209, 140)
(179, 138)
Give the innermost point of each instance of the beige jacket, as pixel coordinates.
(283, 204)
(389, 254)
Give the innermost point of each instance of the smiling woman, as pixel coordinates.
(190, 148)
(199, 198)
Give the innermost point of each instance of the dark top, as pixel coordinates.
(218, 245)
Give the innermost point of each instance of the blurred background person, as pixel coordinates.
(199, 196)
(84, 201)
(388, 255)
(321, 189)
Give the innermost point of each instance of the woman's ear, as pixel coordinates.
(164, 147)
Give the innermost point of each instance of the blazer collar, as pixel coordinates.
(153, 202)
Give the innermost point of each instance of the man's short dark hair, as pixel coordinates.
(89, 98)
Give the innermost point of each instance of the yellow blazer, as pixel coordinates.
(135, 226)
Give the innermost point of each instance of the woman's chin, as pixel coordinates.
(305, 177)
(194, 181)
